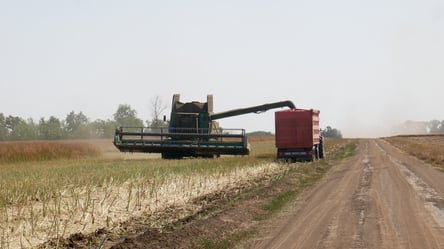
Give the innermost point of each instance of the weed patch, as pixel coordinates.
(229, 241)
(279, 201)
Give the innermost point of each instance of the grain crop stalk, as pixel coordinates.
(92, 211)
(86, 203)
(102, 242)
(138, 195)
(33, 219)
(130, 190)
(21, 238)
(55, 224)
(106, 195)
(6, 214)
(4, 239)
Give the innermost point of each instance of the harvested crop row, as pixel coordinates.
(87, 209)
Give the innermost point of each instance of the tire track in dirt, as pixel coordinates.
(361, 201)
(380, 198)
(407, 214)
(433, 201)
(319, 220)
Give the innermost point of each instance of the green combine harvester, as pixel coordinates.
(192, 132)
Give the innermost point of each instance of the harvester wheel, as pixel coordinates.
(166, 155)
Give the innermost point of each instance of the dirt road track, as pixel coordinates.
(380, 198)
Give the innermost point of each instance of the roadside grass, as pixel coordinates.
(279, 201)
(427, 148)
(229, 242)
(285, 189)
(304, 175)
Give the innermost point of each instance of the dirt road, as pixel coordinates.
(380, 198)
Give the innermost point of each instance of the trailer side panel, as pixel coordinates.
(297, 128)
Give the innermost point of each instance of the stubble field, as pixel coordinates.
(50, 191)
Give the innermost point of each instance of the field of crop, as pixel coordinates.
(429, 148)
(46, 150)
(50, 190)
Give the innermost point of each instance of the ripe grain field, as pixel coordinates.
(429, 148)
(51, 190)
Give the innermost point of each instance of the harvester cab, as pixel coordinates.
(191, 117)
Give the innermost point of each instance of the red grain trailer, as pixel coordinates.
(298, 135)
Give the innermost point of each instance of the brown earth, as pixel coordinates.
(380, 198)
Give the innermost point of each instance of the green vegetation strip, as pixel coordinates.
(279, 201)
(226, 243)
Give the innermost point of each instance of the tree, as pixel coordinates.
(102, 129)
(260, 133)
(3, 129)
(51, 129)
(18, 129)
(435, 127)
(126, 116)
(412, 127)
(31, 130)
(76, 125)
(157, 109)
(331, 132)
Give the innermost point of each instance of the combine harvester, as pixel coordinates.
(192, 132)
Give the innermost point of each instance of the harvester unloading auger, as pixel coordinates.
(192, 132)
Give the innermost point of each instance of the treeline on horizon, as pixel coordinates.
(79, 126)
(420, 127)
(74, 126)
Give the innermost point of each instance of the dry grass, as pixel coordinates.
(427, 148)
(12, 152)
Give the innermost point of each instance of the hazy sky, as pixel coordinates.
(364, 64)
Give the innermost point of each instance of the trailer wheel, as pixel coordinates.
(314, 153)
(317, 152)
(321, 149)
(214, 156)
